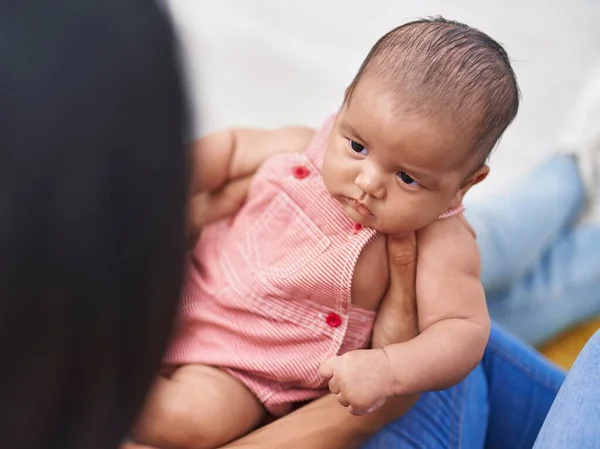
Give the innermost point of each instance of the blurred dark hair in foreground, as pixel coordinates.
(92, 187)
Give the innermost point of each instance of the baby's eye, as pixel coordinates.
(406, 179)
(358, 148)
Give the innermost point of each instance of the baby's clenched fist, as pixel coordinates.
(362, 379)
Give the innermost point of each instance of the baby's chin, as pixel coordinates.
(390, 230)
(373, 221)
(378, 225)
(390, 227)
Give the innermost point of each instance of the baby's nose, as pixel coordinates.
(371, 184)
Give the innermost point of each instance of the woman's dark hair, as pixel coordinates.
(92, 191)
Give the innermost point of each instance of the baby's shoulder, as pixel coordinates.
(448, 238)
(456, 227)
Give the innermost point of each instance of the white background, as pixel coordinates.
(275, 62)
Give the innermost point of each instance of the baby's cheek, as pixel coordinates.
(337, 175)
(326, 174)
(331, 184)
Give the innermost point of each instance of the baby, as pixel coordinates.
(281, 302)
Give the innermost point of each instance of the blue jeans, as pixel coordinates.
(504, 403)
(540, 275)
(573, 418)
(501, 405)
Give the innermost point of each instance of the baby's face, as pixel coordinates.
(391, 170)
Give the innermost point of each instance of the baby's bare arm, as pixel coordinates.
(223, 164)
(453, 322)
(237, 152)
(453, 316)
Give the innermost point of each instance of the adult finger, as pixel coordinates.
(402, 258)
(397, 319)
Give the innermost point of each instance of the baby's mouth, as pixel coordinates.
(359, 207)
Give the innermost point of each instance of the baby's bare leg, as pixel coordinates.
(198, 407)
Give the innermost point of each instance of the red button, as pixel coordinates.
(300, 172)
(357, 227)
(333, 319)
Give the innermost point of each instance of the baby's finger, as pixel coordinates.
(134, 446)
(326, 368)
(342, 400)
(356, 411)
(333, 385)
(359, 411)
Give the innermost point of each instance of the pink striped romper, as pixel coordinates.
(267, 294)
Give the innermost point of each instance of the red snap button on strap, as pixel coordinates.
(333, 319)
(300, 172)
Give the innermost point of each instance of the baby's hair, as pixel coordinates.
(445, 67)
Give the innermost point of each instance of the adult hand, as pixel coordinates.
(397, 317)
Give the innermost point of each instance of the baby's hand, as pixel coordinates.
(362, 380)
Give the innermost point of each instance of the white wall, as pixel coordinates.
(275, 62)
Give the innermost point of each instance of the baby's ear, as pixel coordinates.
(479, 175)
